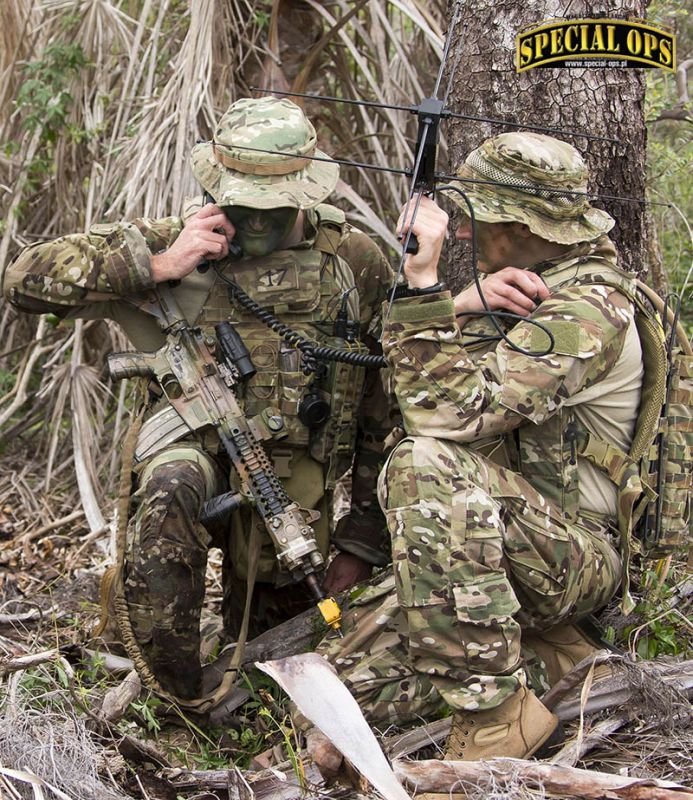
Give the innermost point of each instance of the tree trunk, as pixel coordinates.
(599, 101)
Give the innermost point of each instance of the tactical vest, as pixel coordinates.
(654, 478)
(304, 288)
(548, 453)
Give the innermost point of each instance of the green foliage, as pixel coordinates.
(43, 97)
(657, 626)
(670, 153)
(262, 16)
(55, 686)
(7, 379)
(44, 102)
(146, 709)
(36, 689)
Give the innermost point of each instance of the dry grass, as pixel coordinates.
(157, 75)
(152, 79)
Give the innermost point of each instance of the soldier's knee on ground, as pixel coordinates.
(164, 573)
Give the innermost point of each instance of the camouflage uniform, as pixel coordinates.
(489, 532)
(94, 275)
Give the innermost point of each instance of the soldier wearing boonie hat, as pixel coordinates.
(303, 263)
(533, 179)
(500, 525)
(264, 155)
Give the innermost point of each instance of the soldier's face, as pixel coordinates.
(497, 245)
(261, 232)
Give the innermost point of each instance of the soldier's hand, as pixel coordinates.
(430, 226)
(344, 571)
(509, 289)
(205, 237)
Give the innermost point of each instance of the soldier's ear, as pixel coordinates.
(520, 229)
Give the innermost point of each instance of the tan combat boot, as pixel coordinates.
(561, 648)
(514, 729)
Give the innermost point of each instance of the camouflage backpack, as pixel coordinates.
(655, 477)
(665, 428)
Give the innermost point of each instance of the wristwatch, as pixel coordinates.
(402, 290)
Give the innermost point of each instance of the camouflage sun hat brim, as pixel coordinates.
(533, 179)
(302, 189)
(264, 156)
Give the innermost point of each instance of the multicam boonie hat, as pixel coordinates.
(533, 169)
(259, 157)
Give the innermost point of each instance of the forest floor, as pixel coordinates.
(75, 722)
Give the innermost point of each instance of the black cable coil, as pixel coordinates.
(312, 352)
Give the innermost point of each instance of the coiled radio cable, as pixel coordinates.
(312, 353)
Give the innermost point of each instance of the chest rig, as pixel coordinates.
(309, 291)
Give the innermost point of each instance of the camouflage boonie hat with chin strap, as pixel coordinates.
(259, 158)
(534, 170)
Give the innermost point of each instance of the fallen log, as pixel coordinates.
(297, 635)
(446, 777)
(565, 701)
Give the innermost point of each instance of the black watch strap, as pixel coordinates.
(417, 291)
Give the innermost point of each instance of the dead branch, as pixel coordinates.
(605, 693)
(8, 665)
(57, 523)
(136, 751)
(576, 748)
(564, 698)
(296, 635)
(110, 662)
(680, 110)
(445, 777)
(117, 700)
(682, 80)
(277, 783)
(36, 614)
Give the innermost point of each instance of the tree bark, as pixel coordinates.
(601, 101)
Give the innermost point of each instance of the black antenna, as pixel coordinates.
(444, 113)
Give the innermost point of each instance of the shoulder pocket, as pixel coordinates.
(569, 339)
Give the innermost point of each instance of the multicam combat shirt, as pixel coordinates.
(91, 275)
(535, 405)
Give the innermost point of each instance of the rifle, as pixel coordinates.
(199, 375)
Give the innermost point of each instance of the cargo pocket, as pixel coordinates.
(487, 630)
(420, 556)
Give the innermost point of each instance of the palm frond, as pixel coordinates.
(112, 141)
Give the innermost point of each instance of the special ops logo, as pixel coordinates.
(595, 43)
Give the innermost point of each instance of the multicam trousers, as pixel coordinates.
(166, 560)
(478, 555)
(165, 564)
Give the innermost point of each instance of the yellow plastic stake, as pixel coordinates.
(331, 612)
